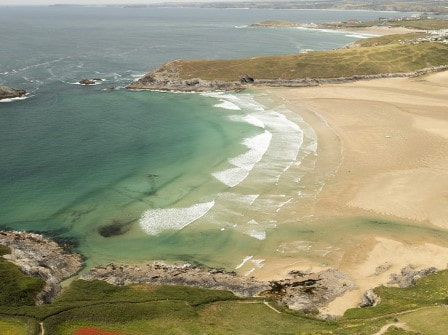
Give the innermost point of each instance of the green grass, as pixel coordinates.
(390, 58)
(4, 250)
(430, 291)
(11, 326)
(399, 331)
(430, 24)
(18, 326)
(17, 289)
(389, 39)
(432, 321)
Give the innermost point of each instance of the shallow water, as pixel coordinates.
(138, 175)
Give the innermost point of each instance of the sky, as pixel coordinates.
(90, 2)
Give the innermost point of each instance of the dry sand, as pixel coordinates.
(383, 31)
(393, 134)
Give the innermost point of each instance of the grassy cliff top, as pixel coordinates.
(392, 57)
(421, 24)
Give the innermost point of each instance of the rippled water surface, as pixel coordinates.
(138, 175)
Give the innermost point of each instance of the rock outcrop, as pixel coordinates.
(305, 292)
(10, 93)
(167, 78)
(409, 276)
(40, 257)
(88, 82)
(369, 299)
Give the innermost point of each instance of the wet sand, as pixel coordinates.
(387, 140)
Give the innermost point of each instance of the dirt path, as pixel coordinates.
(384, 329)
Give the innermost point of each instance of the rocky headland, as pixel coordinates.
(167, 78)
(40, 257)
(10, 93)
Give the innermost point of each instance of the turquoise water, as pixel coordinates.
(99, 166)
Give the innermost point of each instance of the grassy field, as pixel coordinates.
(390, 58)
(386, 40)
(430, 24)
(12, 326)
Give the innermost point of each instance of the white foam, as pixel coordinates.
(231, 177)
(15, 99)
(251, 119)
(155, 221)
(258, 262)
(227, 105)
(259, 235)
(245, 162)
(245, 259)
(361, 35)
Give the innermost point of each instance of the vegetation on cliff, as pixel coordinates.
(419, 24)
(381, 56)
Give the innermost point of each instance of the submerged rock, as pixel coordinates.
(40, 257)
(87, 82)
(10, 93)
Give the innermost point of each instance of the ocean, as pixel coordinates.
(132, 176)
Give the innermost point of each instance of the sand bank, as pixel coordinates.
(392, 135)
(383, 30)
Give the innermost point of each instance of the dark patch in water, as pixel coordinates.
(115, 228)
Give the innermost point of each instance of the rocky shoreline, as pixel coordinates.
(166, 79)
(40, 257)
(300, 291)
(10, 93)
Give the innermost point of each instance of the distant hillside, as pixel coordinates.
(379, 5)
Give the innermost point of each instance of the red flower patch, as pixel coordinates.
(93, 331)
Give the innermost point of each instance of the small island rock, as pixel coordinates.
(9, 93)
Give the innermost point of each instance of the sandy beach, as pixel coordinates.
(383, 30)
(392, 135)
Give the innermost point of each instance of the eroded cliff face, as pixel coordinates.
(40, 257)
(9, 93)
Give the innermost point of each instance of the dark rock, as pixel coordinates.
(369, 299)
(246, 79)
(10, 93)
(87, 82)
